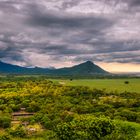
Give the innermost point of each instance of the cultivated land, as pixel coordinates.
(106, 84)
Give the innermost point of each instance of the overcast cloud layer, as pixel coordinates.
(54, 32)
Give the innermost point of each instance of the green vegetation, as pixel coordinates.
(66, 111)
(120, 85)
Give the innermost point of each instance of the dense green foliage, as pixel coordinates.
(85, 127)
(18, 131)
(5, 120)
(66, 112)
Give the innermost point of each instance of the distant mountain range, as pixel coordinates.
(86, 68)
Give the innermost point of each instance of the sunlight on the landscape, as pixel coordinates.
(120, 67)
(69, 69)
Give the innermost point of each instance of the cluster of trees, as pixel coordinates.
(69, 113)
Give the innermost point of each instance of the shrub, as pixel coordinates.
(126, 82)
(19, 131)
(123, 131)
(85, 127)
(130, 115)
(46, 122)
(5, 121)
(4, 137)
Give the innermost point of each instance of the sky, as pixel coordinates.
(62, 33)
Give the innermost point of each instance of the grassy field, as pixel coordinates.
(108, 84)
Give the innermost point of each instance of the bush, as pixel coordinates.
(4, 137)
(46, 122)
(5, 121)
(123, 131)
(126, 82)
(33, 107)
(18, 131)
(85, 128)
(130, 115)
(49, 135)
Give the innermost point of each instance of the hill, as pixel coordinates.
(86, 68)
(14, 69)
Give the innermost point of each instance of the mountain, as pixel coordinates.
(14, 69)
(86, 68)
(9, 68)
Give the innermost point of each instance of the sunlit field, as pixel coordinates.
(119, 85)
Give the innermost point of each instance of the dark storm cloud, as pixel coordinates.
(67, 21)
(73, 30)
(134, 2)
(111, 57)
(11, 53)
